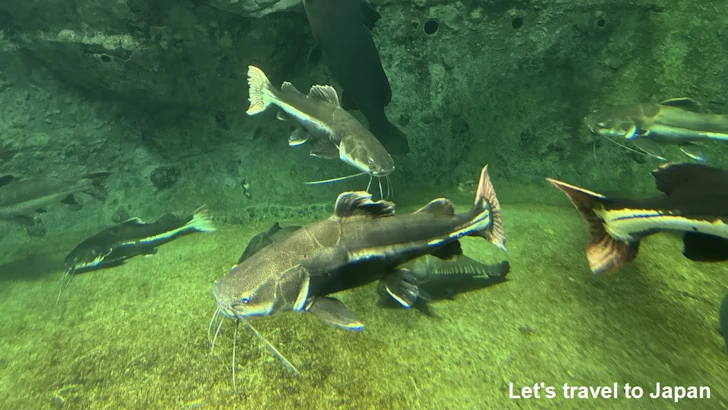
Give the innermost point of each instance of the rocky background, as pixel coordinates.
(155, 92)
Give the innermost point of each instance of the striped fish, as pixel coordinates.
(695, 202)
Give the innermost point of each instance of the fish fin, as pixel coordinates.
(650, 148)
(287, 87)
(369, 15)
(282, 116)
(6, 179)
(273, 229)
(700, 247)
(402, 286)
(693, 151)
(70, 200)
(463, 265)
(41, 210)
(672, 176)
(97, 190)
(334, 312)
(448, 251)
(201, 220)
(325, 149)
(325, 93)
(260, 91)
(487, 205)
(440, 207)
(603, 252)
(300, 136)
(683, 102)
(360, 203)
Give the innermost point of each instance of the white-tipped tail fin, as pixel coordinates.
(485, 199)
(604, 253)
(201, 220)
(259, 90)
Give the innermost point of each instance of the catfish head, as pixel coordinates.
(256, 288)
(620, 121)
(366, 154)
(86, 256)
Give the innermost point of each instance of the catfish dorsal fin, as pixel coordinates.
(287, 87)
(440, 206)
(275, 228)
(683, 102)
(325, 93)
(360, 203)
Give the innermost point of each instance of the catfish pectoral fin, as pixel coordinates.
(334, 312)
(402, 286)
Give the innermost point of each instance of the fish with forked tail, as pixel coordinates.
(676, 121)
(695, 202)
(342, 30)
(20, 198)
(114, 245)
(361, 242)
(338, 134)
(458, 271)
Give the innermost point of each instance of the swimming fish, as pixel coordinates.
(675, 121)
(319, 114)
(695, 202)
(438, 278)
(114, 245)
(342, 29)
(361, 242)
(20, 198)
(724, 320)
(459, 272)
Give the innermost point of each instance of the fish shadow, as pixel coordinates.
(31, 267)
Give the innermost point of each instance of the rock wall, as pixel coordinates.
(143, 88)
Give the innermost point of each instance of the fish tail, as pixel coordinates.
(604, 252)
(97, 190)
(201, 221)
(260, 90)
(488, 221)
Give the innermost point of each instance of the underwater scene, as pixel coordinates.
(363, 204)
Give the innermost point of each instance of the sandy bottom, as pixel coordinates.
(135, 336)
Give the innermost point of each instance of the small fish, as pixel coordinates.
(114, 245)
(319, 114)
(439, 278)
(459, 271)
(20, 198)
(363, 241)
(675, 121)
(695, 202)
(342, 30)
(724, 321)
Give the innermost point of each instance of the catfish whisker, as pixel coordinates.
(235, 343)
(633, 150)
(272, 349)
(327, 181)
(381, 194)
(67, 274)
(390, 189)
(369, 184)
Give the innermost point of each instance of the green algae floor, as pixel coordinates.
(135, 336)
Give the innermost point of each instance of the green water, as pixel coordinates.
(135, 336)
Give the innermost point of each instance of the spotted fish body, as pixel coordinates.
(695, 202)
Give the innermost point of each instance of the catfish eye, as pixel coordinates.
(245, 300)
(371, 161)
(602, 124)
